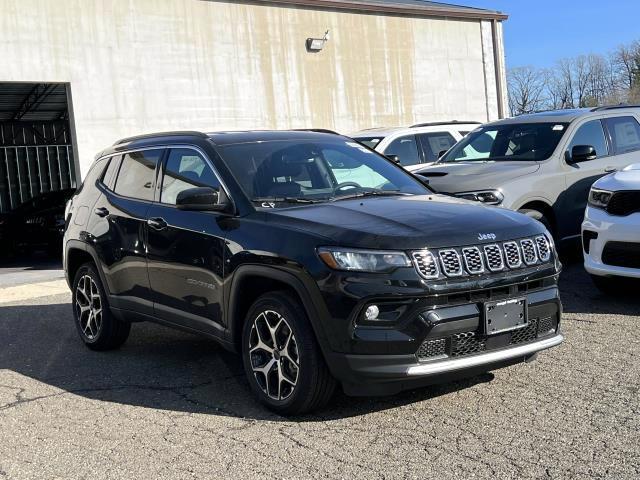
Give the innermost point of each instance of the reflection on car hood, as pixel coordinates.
(404, 223)
(468, 176)
(627, 179)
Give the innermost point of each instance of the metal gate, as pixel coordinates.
(35, 158)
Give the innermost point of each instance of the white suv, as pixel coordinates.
(611, 229)
(418, 145)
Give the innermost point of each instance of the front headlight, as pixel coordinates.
(490, 197)
(599, 198)
(377, 261)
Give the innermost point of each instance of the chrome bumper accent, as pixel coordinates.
(444, 366)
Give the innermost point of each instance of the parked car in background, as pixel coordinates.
(417, 145)
(249, 238)
(542, 164)
(611, 230)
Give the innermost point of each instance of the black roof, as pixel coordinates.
(218, 138)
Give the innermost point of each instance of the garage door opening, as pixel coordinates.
(38, 168)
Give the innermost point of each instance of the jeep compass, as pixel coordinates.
(318, 260)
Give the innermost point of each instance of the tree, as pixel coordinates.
(526, 90)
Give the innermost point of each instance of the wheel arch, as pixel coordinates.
(545, 209)
(251, 281)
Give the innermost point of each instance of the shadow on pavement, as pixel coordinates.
(157, 368)
(580, 295)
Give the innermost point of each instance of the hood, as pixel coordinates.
(469, 176)
(405, 223)
(626, 179)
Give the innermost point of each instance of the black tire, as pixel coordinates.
(617, 286)
(105, 332)
(314, 384)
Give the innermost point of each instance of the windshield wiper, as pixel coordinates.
(372, 193)
(274, 200)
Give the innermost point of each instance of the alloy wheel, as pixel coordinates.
(273, 355)
(89, 307)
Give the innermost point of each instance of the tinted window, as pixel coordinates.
(94, 173)
(185, 169)
(137, 173)
(591, 133)
(406, 149)
(111, 171)
(625, 134)
(314, 170)
(510, 141)
(434, 143)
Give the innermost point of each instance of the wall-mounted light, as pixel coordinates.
(317, 44)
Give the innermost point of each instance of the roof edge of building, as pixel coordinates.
(430, 10)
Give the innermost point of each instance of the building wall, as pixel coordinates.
(137, 66)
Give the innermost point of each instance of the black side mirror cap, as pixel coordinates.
(441, 153)
(581, 153)
(202, 199)
(394, 158)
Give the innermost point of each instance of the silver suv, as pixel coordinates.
(541, 164)
(418, 145)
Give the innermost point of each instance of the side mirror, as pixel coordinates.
(202, 199)
(441, 153)
(581, 153)
(393, 158)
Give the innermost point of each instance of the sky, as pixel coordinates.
(539, 32)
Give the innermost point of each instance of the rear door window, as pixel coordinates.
(137, 174)
(406, 149)
(625, 134)
(434, 143)
(591, 133)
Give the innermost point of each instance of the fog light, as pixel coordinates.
(372, 312)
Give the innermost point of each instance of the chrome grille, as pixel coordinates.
(481, 259)
(495, 261)
(426, 264)
(473, 260)
(544, 249)
(529, 251)
(451, 264)
(512, 254)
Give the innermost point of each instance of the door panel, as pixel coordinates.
(572, 202)
(186, 248)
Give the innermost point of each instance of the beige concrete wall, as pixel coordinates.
(147, 65)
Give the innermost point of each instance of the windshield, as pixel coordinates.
(516, 141)
(370, 142)
(305, 171)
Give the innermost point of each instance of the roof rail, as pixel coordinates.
(614, 107)
(161, 134)
(437, 124)
(317, 130)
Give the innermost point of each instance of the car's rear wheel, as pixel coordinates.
(96, 325)
(282, 359)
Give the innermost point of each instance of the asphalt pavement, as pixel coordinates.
(172, 405)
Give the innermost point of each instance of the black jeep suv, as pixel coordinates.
(316, 258)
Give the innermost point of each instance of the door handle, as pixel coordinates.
(610, 169)
(157, 223)
(101, 212)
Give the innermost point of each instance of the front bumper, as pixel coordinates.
(464, 349)
(608, 228)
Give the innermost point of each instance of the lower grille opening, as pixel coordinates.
(621, 254)
(470, 343)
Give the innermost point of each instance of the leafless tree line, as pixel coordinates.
(583, 81)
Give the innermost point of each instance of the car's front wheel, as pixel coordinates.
(282, 359)
(97, 326)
